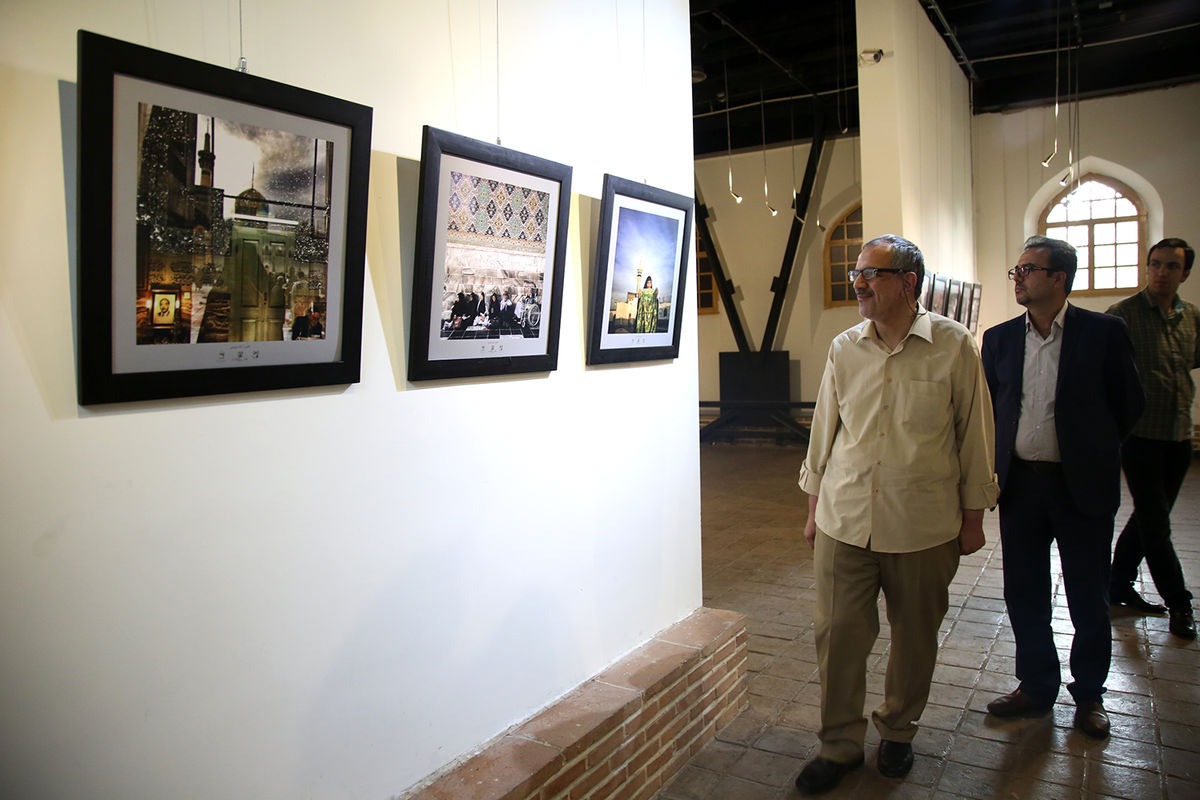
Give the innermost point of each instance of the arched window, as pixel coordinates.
(842, 246)
(1106, 222)
(708, 301)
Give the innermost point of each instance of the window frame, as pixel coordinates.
(1125, 191)
(827, 258)
(703, 271)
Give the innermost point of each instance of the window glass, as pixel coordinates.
(842, 246)
(1105, 221)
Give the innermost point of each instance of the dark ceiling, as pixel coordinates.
(801, 58)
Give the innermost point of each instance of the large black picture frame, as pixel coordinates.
(645, 236)
(492, 226)
(155, 232)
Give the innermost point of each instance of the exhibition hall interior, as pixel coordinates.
(408, 400)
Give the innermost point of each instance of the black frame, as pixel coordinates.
(972, 322)
(656, 348)
(482, 356)
(941, 291)
(102, 62)
(927, 290)
(954, 300)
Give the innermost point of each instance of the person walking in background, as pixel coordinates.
(1156, 456)
(1066, 393)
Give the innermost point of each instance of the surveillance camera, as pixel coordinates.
(874, 55)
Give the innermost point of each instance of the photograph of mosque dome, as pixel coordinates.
(232, 235)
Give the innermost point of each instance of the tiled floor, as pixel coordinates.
(756, 562)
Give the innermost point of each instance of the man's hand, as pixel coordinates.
(970, 534)
(810, 527)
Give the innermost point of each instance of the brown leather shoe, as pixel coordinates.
(1018, 704)
(1092, 719)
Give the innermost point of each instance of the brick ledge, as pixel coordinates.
(623, 733)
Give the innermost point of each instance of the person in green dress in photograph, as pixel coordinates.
(647, 308)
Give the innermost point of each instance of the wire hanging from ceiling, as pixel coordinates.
(728, 136)
(497, 71)
(763, 117)
(241, 67)
(1074, 53)
(1057, 30)
(841, 76)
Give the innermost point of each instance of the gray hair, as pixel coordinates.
(906, 256)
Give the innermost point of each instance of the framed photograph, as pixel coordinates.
(973, 314)
(941, 289)
(222, 225)
(954, 300)
(641, 272)
(927, 290)
(491, 249)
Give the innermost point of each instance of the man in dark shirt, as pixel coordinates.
(308, 327)
(1156, 456)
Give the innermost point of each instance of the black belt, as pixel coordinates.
(1039, 467)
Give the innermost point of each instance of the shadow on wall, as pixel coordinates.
(391, 244)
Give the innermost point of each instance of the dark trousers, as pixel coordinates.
(1154, 471)
(1035, 510)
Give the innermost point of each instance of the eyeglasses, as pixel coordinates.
(869, 273)
(1023, 270)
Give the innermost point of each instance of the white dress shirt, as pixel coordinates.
(1037, 438)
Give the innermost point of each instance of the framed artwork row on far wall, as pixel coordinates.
(953, 298)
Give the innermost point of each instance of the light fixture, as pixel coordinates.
(762, 111)
(728, 137)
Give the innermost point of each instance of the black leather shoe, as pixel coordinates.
(821, 774)
(1018, 704)
(895, 758)
(1127, 596)
(1183, 623)
(1092, 719)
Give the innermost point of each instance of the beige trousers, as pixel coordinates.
(848, 581)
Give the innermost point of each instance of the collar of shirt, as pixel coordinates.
(1060, 319)
(921, 326)
(1176, 304)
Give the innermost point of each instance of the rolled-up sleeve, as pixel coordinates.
(974, 431)
(824, 426)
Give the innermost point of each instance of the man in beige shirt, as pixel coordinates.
(898, 473)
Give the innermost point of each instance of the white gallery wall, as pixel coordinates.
(333, 592)
(912, 165)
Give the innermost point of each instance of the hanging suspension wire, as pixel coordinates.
(241, 67)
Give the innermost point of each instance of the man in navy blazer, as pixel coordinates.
(1065, 393)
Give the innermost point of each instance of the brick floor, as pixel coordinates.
(756, 563)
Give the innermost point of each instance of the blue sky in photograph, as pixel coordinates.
(647, 240)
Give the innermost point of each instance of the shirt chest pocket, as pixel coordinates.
(925, 405)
